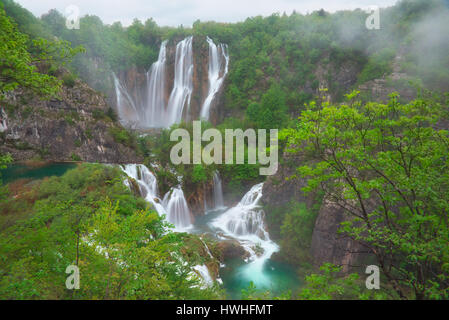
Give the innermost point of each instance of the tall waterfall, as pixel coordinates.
(218, 191)
(173, 206)
(155, 111)
(218, 69)
(183, 81)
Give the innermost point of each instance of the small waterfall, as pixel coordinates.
(218, 191)
(183, 82)
(245, 222)
(173, 206)
(3, 120)
(147, 184)
(155, 110)
(203, 272)
(178, 212)
(218, 69)
(246, 218)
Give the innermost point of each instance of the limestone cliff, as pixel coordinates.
(74, 126)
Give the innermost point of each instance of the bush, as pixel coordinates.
(69, 80)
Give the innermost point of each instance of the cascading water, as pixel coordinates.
(245, 222)
(147, 184)
(218, 69)
(218, 191)
(155, 113)
(174, 206)
(178, 212)
(183, 82)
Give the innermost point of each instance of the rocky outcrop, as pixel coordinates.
(328, 245)
(231, 249)
(74, 127)
(398, 81)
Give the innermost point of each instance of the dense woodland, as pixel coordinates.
(384, 162)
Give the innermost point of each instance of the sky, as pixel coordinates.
(185, 12)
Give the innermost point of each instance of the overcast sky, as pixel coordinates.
(185, 12)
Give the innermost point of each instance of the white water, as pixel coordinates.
(147, 185)
(218, 69)
(178, 212)
(245, 223)
(155, 110)
(173, 206)
(204, 274)
(183, 81)
(218, 192)
(3, 121)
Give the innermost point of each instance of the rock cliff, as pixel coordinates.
(75, 127)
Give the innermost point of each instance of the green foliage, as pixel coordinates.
(89, 218)
(328, 285)
(199, 174)
(386, 165)
(271, 113)
(17, 65)
(123, 136)
(296, 234)
(69, 80)
(378, 66)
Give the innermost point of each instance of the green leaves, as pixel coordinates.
(387, 166)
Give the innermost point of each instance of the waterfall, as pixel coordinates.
(3, 120)
(155, 110)
(183, 82)
(173, 206)
(147, 185)
(246, 218)
(245, 222)
(218, 69)
(218, 191)
(204, 274)
(178, 212)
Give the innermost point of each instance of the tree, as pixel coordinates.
(17, 66)
(271, 113)
(387, 167)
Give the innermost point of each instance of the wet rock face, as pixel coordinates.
(231, 249)
(277, 190)
(330, 246)
(74, 127)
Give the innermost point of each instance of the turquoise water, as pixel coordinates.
(276, 277)
(22, 171)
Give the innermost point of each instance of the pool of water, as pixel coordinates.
(23, 171)
(275, 277)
